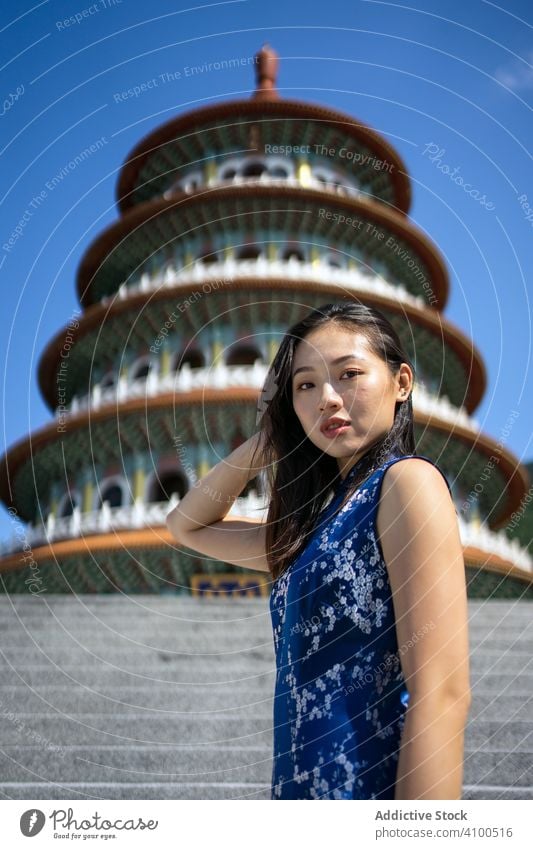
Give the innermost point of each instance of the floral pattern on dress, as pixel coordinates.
(340, 696)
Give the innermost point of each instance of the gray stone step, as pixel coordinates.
(487, 791)
(56, 729)
(136, 790)
(202, 610)
(231, 641)
(215, 674)
(211, 668)
(100, 728)
(216, 763)
(494, 734)
(178, 675)
(212, 700)
(198, 791)
(197, 698)
(182, 702)
(142, 608)
(19, 657)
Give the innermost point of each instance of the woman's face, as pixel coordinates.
(359, 389)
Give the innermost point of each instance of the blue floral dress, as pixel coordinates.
(340, 696)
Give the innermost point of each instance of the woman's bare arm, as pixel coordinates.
(199, 520)
(419, 536)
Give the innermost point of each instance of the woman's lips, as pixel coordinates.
(335, 431)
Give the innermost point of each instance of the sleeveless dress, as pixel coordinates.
(340, 696)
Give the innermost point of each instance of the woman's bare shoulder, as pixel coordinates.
(414, 477)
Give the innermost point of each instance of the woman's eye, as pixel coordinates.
(350, 371)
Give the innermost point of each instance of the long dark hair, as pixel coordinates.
(300, 477)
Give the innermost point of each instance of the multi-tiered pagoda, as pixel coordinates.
(235, 221)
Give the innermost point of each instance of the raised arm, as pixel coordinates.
(419, 536)
(199, 520)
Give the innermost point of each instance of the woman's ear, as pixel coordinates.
(404, 382)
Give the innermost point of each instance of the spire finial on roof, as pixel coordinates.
(267, 63)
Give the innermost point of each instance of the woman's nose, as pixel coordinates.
(329, 396)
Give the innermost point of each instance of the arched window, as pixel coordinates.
(108, 380)
(190, 182)
(335, 260)
(208, 257)
(111, 493)
(279, 171)
(322, 174)
(228, 173)
(243, 355)
(165, 484)
(141, 369)
(67, 505)
(254, 169)
(293, 253)
(249, 252)
(193, 357)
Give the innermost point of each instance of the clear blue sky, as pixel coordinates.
(455, 75)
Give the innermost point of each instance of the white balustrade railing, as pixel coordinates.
(480, 536)
(442, 408)
(222, 376)
(141, 515)
(266, 179)
(354, 279)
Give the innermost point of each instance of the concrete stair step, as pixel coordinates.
(211, 700)
(215, 668)
(136, 790)
(56, 729)
(186, 701)
(213, 674)
(20, 656)
(189, 714)
(231, 641)
(177, 675)
(138, 763)
(494, 734)
(92, 728)
(99, 728)
(198, 791)
(486, 791)
(216, 763)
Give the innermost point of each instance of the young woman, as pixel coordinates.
(368, 599)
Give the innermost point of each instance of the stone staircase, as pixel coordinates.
(166, 697)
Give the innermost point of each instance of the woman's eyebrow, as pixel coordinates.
(332, 363)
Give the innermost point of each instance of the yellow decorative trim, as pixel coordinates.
(315, 255)
(303, 173)
(218, 352)
(272, 252)
(203, 468)
(139, 478)
(165, 362)
(273, 345)
(88, 497)
(210, 170)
